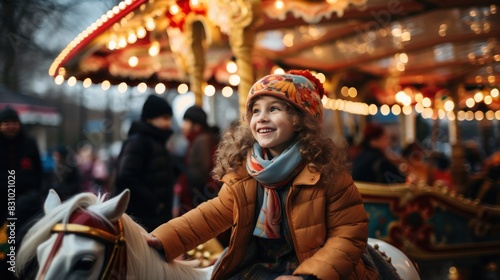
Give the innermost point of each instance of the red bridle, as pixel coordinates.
(83, 223)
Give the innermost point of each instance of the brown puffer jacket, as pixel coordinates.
(328, 223)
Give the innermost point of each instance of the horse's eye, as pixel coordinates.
(85, 263)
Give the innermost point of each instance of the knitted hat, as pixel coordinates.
(299, 87)
(154, 107)
(8, 113)
(196, 115)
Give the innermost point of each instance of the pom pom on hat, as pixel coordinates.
(154, 107)
(312, 78)
(298, 87)
(196, 115)
(9, 114)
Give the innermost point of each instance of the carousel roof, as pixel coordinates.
(420, 44)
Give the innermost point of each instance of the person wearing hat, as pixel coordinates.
(372, 163)
(287, 195)
(145, 166)
(195, 182)
(20, 164)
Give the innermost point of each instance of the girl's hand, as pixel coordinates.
(154, 242)
(289, 277)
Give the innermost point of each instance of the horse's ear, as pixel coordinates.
(51, 202)
(115, 207)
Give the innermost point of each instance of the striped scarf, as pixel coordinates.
(272, 174)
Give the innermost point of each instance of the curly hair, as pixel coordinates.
(327, 156)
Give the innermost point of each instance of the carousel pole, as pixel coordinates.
(237, 19)
(337, 116)
(196, 60)
(241, 40)
(458, 171)
(243, 54)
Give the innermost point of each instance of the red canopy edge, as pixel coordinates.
(134, 5)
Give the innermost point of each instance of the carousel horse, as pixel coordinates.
(88, 237)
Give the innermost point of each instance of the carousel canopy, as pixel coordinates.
(409, 46)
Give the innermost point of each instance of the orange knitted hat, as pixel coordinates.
(299, 87)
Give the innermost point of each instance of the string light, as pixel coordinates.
(182, 88)
(231, 67)
(160, 88)
(142, 87)
(87, 83)
(449, 105)
(234, 79)
(71, 81)
(59, 79)
(209, 90)
(279, 4)
(105, 85)
(133, 61)
(154, 49)
(494, 92)
(122, 87)
(227, 92)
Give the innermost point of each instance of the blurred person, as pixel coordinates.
(414, 163)
(20, 164)
(373, 163)
(144, 165)
(441, 169)
(93, 169)
(353, 148)
(100, 172)
(47, 166)
(485, 186)
(473, 157)
(425, 167)
(195, 183)
(85, 163)
(65, 177)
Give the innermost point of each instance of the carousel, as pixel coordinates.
(410, 61)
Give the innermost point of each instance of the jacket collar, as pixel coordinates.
(306, 177)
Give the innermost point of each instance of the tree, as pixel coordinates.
(33, 32)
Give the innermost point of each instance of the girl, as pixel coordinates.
(294, 210)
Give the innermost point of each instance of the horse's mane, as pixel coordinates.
(142, 260)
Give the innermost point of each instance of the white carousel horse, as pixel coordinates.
(90, 243)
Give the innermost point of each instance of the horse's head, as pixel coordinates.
(80, 239)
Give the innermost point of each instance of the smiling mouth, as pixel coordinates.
(265, 130)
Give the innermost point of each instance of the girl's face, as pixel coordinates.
(271, 124)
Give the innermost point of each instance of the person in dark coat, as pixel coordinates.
(145, 166)
(21, 170)
(196, 182)
(372, 163)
